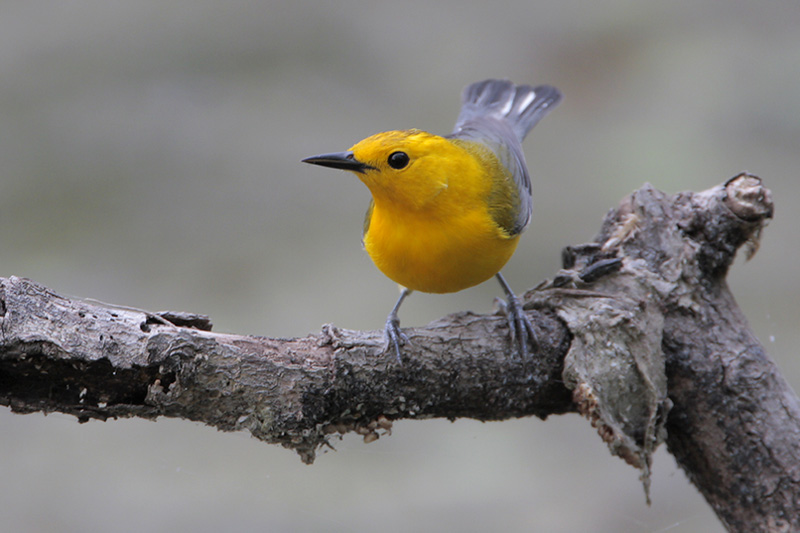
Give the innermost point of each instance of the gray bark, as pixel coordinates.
(638, 332)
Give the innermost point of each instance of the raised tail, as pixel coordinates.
(520, 106)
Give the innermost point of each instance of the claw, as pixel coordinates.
(393, 334)
(519, 324)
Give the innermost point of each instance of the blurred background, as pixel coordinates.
(149, 157)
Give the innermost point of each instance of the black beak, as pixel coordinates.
(340, 160)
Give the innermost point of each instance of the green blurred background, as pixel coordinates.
(149, 157)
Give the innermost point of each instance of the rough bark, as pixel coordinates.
(638, 332)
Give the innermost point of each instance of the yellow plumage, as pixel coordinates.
(431, 226)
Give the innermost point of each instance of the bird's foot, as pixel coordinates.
(519, 324)
(394, 336)
(522, 333)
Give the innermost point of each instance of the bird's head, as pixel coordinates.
(404, 168)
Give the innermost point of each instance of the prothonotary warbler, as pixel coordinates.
(447, 212)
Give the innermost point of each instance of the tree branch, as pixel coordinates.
(638, 332)
(96, 361)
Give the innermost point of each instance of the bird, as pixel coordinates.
(447, 212)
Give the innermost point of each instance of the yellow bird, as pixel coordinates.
(447, 212)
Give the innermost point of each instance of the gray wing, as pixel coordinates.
(500, 115)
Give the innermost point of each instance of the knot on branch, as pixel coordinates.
(725, 218)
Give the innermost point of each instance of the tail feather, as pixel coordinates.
(521, 106)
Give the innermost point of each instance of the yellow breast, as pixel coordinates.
(431, 254)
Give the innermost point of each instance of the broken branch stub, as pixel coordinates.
(616, 294)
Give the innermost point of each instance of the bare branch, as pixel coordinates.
(94, 361)
(638, 332)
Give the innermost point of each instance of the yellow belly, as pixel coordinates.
(428, 254)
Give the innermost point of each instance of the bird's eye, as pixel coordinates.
(398, 160)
